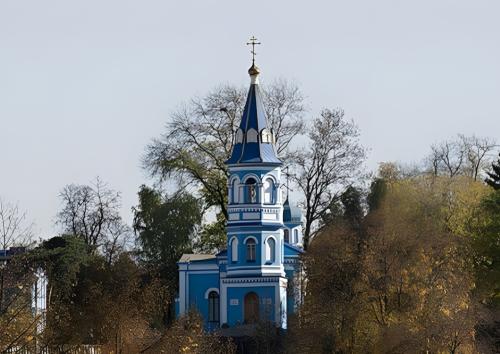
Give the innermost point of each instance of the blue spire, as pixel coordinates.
(254, 143)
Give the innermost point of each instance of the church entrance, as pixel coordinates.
(251, 308)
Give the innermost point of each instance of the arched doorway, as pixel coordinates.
(251, 308)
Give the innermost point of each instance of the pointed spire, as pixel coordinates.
(254, 142)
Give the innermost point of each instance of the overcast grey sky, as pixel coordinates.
(85, 85)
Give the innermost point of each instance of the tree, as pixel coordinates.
(199, 137)
(165, 227)
(401, 282)
(494, 175)
(91, 301)
(17, 323)
(186, 335)
(465, 155)
(478, 150)
(327, 166)
(92, 213)
(212, 238)
(14, 229)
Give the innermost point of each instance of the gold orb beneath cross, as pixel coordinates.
(254, 70)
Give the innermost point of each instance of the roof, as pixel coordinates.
(294, 249)
(191, 257)
(254, 139)
(291, 214)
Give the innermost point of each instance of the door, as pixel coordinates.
(251, 308)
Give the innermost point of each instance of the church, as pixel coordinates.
(258, 277)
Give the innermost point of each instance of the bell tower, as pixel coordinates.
(255, 242)
(254, 227)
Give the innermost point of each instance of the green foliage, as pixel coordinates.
(165, 226)
(92, 301)
(352, 201)
(494, 175)
(346, 208)
(400, 282)
(213, 236)
(486, 243)
(62, 257)
(199, 137)
(378, 189)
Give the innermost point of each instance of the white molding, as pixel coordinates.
(258, 272)
(209, 290)
(254, 206)
(182, 292)
(259, 266)
(253, 167)
(251, 216)
(250, 175)
(234, 178)
(223, 303)
(276, 248)
(195, 267)
(234, 248)
(246, 239)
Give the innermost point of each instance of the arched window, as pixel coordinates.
(251, 190)
(268, 191)
(266, 136)
(239, 136)
(251, 250)
(252, 136)
(234, 250)
(287, 235)
(236, 191)
(213, 307)
(270, 250)
(295, 236)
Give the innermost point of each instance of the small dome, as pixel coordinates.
(291, 214)
(254, 70)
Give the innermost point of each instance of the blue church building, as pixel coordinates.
(258, 276)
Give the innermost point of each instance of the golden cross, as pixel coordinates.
(253, 42)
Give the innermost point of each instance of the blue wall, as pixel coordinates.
(235, 313)
(198, 285)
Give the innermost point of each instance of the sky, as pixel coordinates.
(85, 85)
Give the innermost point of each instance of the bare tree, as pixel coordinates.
(199, 137)
(479, 151)
(92, 212)
(17, 323)
(447, 158)
(14, 228)
(465, 155)
(331, 163)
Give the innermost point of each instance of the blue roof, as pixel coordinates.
(291, 214)
(291, 250)
(254, 117)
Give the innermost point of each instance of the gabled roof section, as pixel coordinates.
(190, 257)
(254, 139)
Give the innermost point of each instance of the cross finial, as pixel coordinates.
(253, 42)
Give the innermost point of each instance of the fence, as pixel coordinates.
(62, 349)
